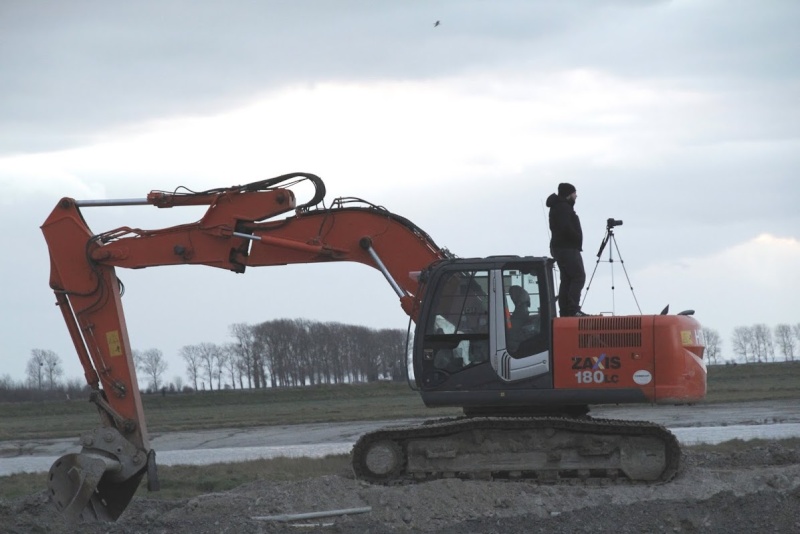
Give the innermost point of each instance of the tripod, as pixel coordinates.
(610, 224)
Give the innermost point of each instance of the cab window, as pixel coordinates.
(457, 332)
(523, 313)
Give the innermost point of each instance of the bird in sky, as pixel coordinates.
(435, 23)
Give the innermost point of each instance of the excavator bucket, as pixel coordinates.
(98, 483)
(82, 487)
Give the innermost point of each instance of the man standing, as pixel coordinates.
(566, 244)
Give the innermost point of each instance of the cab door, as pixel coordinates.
(453, 335)
(521, 326)
(478, 330)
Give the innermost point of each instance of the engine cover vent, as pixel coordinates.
(628, 322)
(599, 332)
(610, 339)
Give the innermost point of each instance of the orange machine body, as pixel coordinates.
(658, 354)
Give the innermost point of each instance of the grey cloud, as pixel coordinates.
(73, 69)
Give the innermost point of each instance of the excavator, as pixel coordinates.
(486, 338)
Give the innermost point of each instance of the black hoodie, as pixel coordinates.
(565, 225)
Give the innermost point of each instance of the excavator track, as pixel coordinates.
(544, 449)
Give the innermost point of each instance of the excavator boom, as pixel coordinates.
(237, 231)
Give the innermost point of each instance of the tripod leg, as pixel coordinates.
(609, 234)
(589, 285)
(626, 277)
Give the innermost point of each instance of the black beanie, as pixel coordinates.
(565, 190)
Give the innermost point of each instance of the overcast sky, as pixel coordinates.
(679, 117)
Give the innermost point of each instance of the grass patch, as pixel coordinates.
(330, 403)
(753, 381)
(226, 409)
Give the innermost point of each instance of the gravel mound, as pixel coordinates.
(751, 488)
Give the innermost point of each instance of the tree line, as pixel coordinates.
(759, 343)
(297, 352)
(756, 343)
(282, 352)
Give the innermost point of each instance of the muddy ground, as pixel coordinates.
(753, 487)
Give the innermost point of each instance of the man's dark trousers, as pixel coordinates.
(573, 277)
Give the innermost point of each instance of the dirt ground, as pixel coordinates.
(752, 488)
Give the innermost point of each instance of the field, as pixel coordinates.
(711, 469)
(375, 401)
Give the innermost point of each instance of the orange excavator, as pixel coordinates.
(486, 338)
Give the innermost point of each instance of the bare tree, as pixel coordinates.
(191, 355)
(242, 371)
(209, 359)
(713, 345)
(232, 362)
(338, 361)
(6, 382)
(52, 368)
(221, 360)
(245, 353)
(786, 342)
(178, 381)
(762, 343)
(328, 359)
(263, 365)
(35, 370)
(369, 350)
(276, 345)
(796, 332)
(44, 369)
(743, 342)
(152, 363)
(306, 369)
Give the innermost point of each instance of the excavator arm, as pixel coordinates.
(240, 229)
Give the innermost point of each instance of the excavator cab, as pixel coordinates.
(484, 333)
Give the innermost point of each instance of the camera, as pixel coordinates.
(611, 223)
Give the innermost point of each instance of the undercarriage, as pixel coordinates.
(544, 449)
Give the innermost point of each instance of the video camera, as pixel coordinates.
(611, 223)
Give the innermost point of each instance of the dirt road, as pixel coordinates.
(745, 487)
